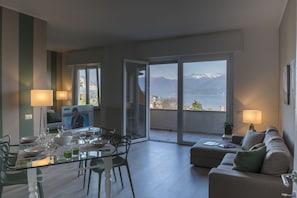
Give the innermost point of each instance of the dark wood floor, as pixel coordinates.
(159, 170)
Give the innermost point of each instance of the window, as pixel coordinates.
(204, 85)
(87, 85)
(163, 86)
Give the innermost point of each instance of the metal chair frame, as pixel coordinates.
(120, 142)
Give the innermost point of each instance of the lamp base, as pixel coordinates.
(252, 127)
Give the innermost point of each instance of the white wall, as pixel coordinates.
(256, 78)
(255, 57)
(287, 54)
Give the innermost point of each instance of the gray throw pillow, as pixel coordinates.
(252, 138)
(249, 161)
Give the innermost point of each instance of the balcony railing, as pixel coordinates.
(209, 122)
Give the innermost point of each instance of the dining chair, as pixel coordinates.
(120, 142)
(10, 176)
(11, 155)
(104, 133)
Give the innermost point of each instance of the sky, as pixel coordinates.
(170, 70)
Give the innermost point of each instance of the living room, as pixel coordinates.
(259, 54)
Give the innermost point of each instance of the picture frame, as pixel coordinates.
(286, 84)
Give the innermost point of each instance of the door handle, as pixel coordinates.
(292, 176)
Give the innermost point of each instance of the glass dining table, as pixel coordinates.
(49, 155)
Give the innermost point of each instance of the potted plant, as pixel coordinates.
(228, 128)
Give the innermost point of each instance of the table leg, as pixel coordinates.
(32, 182)
(107, 166)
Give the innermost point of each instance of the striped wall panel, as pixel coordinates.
(54, 74)
(25, 72)
(54, 68)
(23, 67)
(1, 116)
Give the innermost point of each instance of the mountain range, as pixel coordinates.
(196, 84)
(207, 88)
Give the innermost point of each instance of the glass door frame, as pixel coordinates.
(229, 99)
(147, 112)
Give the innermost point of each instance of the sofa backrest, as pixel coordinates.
(278, 159)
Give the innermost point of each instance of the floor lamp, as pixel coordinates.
(41, 98)
(61, 95)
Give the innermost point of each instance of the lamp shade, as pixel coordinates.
(41, 98)
(61, 95)
(252, 116)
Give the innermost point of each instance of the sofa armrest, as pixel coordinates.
(233, 184)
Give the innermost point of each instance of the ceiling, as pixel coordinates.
(80, 24)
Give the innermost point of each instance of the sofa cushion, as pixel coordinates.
(278, 158)
(204, 155)
(249, 161)
(271, 135)
(251, 138)
(228, 159)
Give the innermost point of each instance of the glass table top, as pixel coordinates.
(38, 153)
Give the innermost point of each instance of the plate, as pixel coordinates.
(35, 150)
(28, 139)
(99, 143)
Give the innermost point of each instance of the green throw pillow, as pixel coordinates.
(250, 161)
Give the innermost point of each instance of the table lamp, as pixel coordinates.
(41, 98)
(252, 117)
(61, 95)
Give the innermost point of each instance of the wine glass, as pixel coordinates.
(82, 136)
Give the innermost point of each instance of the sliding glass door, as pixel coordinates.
(189, 98)
(203, 100)
(135, 100)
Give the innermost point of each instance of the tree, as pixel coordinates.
(169, 103)
(197, 105)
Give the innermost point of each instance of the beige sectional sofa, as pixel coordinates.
(251, 169)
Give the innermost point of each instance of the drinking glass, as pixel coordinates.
(75, 150)
(67, 151)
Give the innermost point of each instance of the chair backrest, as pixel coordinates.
(4, 151)
(5, 138)
(107, 134)
(116, 139)
(124, 143)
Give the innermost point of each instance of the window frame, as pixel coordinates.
(75, 92)
(229, 72)
(203, 57)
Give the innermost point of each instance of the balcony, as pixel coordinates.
(197, 124)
